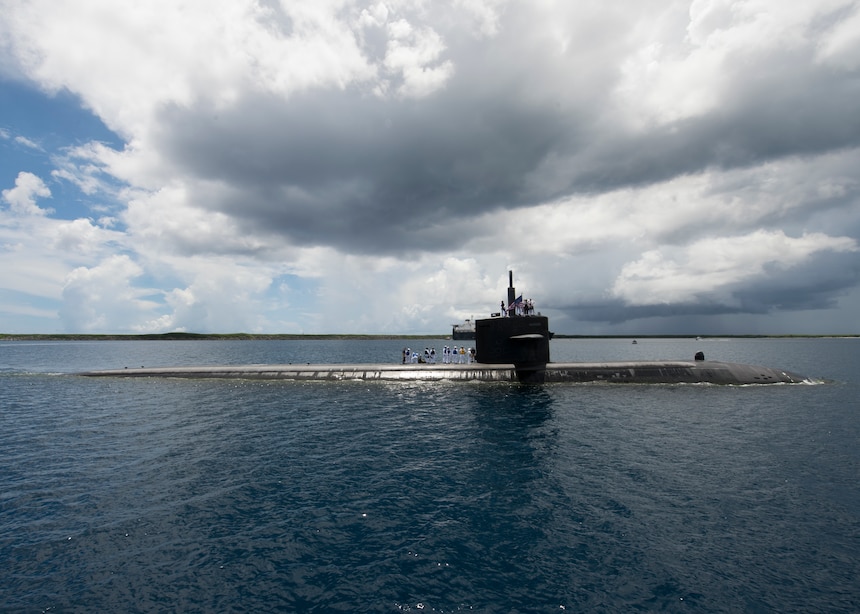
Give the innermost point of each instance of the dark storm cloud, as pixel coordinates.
(349, 169)
(360, 173)
(364, 173)
(816, 284)
(616, 312)
(783, 108)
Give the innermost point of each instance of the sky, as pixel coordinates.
(338, 166)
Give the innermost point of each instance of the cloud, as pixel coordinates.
(840, 44)
(215, 297)
(707, 267)
(22, 140)
(22, 198)
(630, 161)
(414, 56)
(101, 298)
(81, 236)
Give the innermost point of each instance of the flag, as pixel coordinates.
(516, 302)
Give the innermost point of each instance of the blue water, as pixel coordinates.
(160, 495)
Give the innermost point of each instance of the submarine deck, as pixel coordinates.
(639, 372)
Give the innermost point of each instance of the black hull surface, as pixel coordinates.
(644, 372)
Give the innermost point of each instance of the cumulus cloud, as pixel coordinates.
(628, 160)
(22, 198)
(101, 298)
(414, 54)
(81, 236)
(224, 298)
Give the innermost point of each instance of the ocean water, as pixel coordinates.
(167, 495)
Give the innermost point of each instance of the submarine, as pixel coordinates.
(511, 346)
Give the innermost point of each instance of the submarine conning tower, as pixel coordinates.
(508, 338)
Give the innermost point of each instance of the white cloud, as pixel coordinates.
(413, 55)
(725, 46)
(103, 298)
(223, 296)
(82, 236)
(678, 211)
(22, 140)
(179, 52)
(374, 16)
(710, 266)
(37, 252)
(484, 13)
(28, 271)
(28, 311)
(22, 198)
(840, 46)
(175, 219)
(183, 53)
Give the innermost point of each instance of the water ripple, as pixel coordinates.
(169, 495)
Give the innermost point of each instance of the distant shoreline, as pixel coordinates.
(177, 336)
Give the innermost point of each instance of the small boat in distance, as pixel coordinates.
(465, 330)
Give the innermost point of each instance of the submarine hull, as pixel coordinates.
(640, 372)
